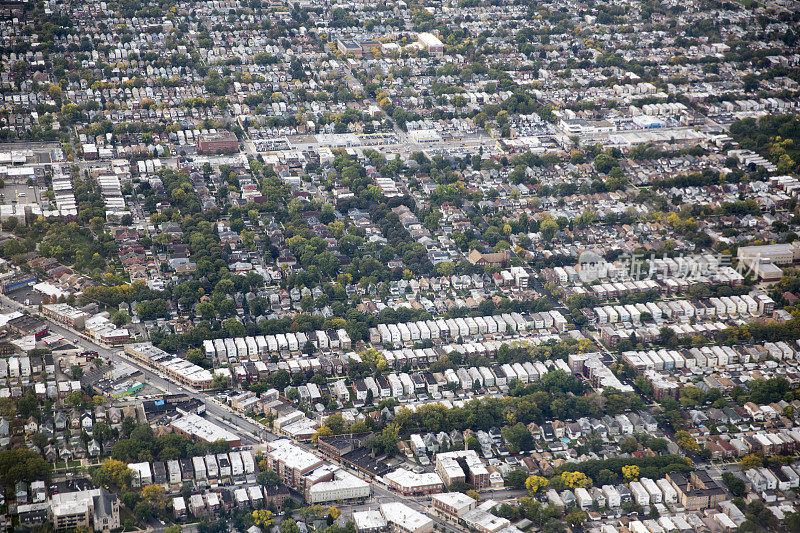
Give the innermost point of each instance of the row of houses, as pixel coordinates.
(707, 356)
(467, 327)
(405, 384)
(612, 335)
(213, 502)
(210, 467)
(233, 349)
(783, 478)
(697, 491)
(671, 283)
(22, 367)
(682, 310)
(253, 347)
(244, 371)
(781, 442)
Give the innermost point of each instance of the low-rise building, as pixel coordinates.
(404, 519)
(452, 505)
(410, 483)
(95, 509)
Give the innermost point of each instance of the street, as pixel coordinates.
(216, 411)
(251, 432)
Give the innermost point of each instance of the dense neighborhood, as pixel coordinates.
(351, 267)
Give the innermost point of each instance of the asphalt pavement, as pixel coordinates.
(250, 431)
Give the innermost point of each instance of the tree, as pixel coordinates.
(629, 445)
(573, 480)
(28, 405)
(76, 399)
(686, 441)
(605, 477)
(289, 526)
(264, 519)
(336, 423)
(322, 432)
(374, 359)
(113, 472)
(536, 483)
(143, 511)
(576, 517)
(657, 444)
(155, 496)
(735, 485)
(268, 477)
(22, 465)
(518, 437)
(748, 462)
(473, 494)
(7, 408)
(548, 229)
(516, 478)
(77, 371)
(206, 310)
(220, 382)
(234, 328)
(39, 440)
(603, 163)
(631, 472)
(750, 82)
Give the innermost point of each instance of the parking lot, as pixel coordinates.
(18, 193)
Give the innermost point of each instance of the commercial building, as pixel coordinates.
(780, 254)
(410, 483)
(291, 463)
(347, 46)
(17, 282)
(451, 505)
(66, 314)
(343, 486)
(100, 328)
(697, 491)
(27, 325)
(178, 369)
(404, 519)
(495, 259)
(218, 143)
(369, 521)
(483, 520)
(762, 260)
(196, 427)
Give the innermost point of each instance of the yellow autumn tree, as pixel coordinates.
(536, 483)
(686, 441)
(631, 472)
(374, 359)
(323, 431)
(574, 480)
(155, 495)
(263, 518)
(751, 461)
(113, 472)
